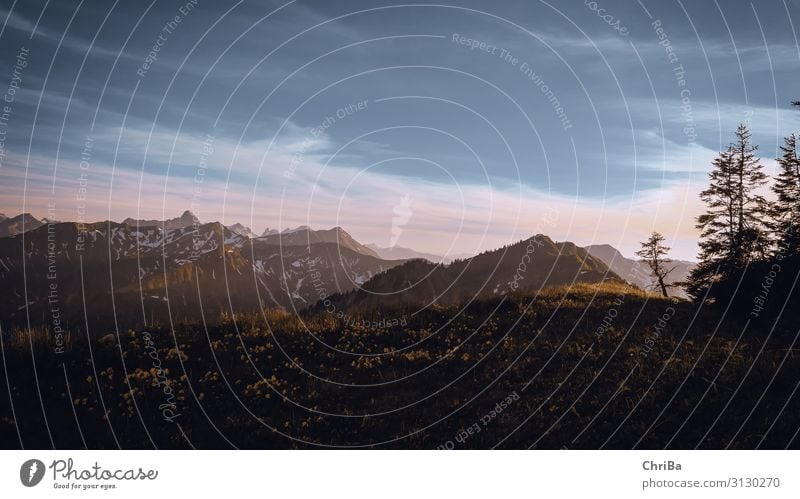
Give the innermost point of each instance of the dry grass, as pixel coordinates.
(303, 376)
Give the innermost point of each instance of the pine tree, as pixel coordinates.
(752, 213)
(653, 252)
(786, 209)
(716, 226)
(732, 231)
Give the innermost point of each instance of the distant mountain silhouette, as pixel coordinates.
(523, 267)
(640, 275)
(16, 225)
(304, 235)
(400, 253)
(187, 219)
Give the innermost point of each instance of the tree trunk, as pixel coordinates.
(663, 287)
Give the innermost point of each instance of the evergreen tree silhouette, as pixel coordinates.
(733, 229)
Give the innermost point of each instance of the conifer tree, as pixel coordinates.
(733, 230)
(752, 213)
(786, 208)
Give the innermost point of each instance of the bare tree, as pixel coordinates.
(653, 252)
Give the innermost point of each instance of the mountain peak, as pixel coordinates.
(241, 229)
(186, 219)
(605, 252)
(15, 225)
(305, 236)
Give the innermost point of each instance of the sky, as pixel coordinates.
(448, 128)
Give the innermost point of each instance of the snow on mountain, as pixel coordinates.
(116, 270)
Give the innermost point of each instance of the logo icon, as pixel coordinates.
(31, 472)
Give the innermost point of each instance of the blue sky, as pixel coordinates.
(332, 113)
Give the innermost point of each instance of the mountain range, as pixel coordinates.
(527, 267)
(128, 276)
(107, 274)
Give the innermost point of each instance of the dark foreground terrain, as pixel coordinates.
(594, 366)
